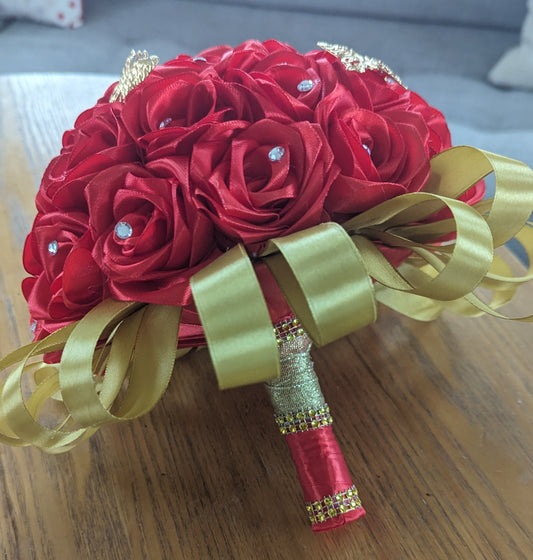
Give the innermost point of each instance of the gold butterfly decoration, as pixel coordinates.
(357, 62)
(136, 68)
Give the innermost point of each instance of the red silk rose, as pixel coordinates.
(156, 260)
(263, 180)
(234, 145)
(66, 281)
(97, 141)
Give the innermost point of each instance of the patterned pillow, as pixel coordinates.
(515, 68)
(65, 13)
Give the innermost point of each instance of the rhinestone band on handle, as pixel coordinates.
(334, 505)
(304, 418)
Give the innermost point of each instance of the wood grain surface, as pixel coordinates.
(435, 421)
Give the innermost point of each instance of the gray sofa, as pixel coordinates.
(442, 50)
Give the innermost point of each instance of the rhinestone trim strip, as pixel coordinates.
(288, 330)
(334, 505)
(304, 420)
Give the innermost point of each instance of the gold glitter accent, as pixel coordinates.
(331, 506)
(136, 68)
(352, 60)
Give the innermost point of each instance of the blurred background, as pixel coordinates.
(473, 59)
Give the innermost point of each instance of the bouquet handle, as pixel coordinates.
(304, 418)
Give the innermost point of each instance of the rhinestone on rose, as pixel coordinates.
(305, 85)
(123, 230)
(53, 246)
(276, 153)
(164, 122)
(199, 59)
(367, 149)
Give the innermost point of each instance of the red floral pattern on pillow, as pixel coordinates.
(65, 13)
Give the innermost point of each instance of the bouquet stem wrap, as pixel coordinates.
(304, 418)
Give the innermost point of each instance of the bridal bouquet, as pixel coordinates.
(254, 200)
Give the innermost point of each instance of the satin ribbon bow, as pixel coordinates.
(331, 275)
(326, 272)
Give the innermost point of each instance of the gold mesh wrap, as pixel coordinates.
(297, 388)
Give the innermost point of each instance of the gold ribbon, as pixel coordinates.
(326, 274)
(235, 319)
(323, 277)
(127, 341)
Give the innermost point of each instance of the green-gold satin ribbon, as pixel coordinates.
(236, 321)
(323, 277)
(331, 276)
(128, 340)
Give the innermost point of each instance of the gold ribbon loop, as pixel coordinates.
(506, 215)
(324, 280)
(236, 321)
(117, 361)
(145, 341)
(77, 375)
(155, 352)
(455, 170)
(460, 268)
(126, 340)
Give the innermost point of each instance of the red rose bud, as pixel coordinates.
(303, 416)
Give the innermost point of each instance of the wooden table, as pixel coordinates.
(435, 421)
